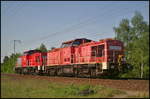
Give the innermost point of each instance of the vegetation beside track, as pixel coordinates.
(28, 87)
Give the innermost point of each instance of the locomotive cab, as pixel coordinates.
(75, 42)
(109, 54)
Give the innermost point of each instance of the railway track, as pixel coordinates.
(123, 84)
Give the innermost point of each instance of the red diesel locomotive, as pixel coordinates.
(79, 57)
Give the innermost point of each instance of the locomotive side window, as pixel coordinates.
(94, 50)
(87, 41)
(76, 43)
(97, 51)
(28, 62)
(65, 45)
(100, 51)
(44, 60)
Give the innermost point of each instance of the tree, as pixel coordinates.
(6, 58)
(136, 40)
(8, 65)
(52, 48)
(42, 48)
(122, 32)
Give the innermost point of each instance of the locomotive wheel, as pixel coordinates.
(49, 73)
(55, 71)
(59, 71)
(20, 71)
(93, 73)
(25, 71)
(36, 72)
(75, 72)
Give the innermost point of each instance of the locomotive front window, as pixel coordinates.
(115, 47)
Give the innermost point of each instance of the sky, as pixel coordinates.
(53, 22)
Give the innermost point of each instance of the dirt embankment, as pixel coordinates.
(129, 85)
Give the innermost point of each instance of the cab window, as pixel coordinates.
(97, 51)
(76, 43)
(65, 45)
(100, 51)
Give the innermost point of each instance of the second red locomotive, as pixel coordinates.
(79, 57)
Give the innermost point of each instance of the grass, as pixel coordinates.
(140, 95)
(36, 88)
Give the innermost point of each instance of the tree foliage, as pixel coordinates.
(135, 35)
(9, 63)
(5, 59)
(42, 48)
(53, 48)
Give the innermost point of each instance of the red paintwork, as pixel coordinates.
(34, 59)
(80, 54)
(63, 56)
(53, 57)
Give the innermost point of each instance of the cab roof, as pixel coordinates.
(70, 41)
(31, 51)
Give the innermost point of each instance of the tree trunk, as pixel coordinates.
(142, 70)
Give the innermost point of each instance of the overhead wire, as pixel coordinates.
(67, 29)
(73, 27)
(103, 20)
(14, 11)
(55, 42)
(97, 34)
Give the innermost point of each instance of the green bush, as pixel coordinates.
(9, 63)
